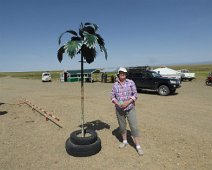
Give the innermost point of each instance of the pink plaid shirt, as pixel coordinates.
(122, 93)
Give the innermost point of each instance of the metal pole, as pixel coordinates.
(82, 97)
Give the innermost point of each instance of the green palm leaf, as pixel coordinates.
(72, 47)
(90, 40)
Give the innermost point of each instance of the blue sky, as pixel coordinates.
(136, 32)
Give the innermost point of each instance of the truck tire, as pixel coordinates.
(82, 150)
(163, 90)
(90, 138)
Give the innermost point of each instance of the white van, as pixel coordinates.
(46, 77)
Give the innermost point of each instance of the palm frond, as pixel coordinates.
(96, 27)
(81, 30)
(68, 31)
(60, 53)
(72, 47)
(88, 53)
(81, 25)
(76, 38)
(88, 23)
(100, 40)
(90, 40)
(89, 29)
(102, 48)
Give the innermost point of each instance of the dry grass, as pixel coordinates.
(200, 70)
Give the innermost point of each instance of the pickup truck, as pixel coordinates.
(186, 75)
(150, 80)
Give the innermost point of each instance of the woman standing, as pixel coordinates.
(124, 95)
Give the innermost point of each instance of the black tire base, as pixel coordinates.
(82, 150)
(75, 139)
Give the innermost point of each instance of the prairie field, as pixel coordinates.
(201, 72)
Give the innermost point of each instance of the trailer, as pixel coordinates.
(168, 72)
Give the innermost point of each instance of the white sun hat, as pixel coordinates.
(122, 69)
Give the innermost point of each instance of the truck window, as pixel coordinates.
(136, 75)
(154, 74)
(146, 75)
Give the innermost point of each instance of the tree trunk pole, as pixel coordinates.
(82, 97)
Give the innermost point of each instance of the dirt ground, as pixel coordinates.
(176, 130)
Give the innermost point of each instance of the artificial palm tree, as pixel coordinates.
(84, 44)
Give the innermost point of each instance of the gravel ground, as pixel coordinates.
(176, 130)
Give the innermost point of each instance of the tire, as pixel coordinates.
(83, 150)
(208, 83)
(163, 90)
(77, 140)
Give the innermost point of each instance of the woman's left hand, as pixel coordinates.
(125, 104)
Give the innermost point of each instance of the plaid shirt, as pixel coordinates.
(122, 93)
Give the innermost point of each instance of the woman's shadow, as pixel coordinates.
(116, 133)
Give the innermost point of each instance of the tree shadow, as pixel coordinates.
(118, 136)
(96, 125)
(3, 113)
